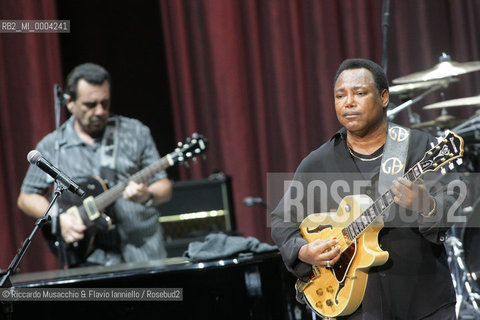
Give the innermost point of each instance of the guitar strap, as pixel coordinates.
(108, 151)
(394, 156)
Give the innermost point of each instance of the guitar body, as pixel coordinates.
(339, 290)
(78, 252)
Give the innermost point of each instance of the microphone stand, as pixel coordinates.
(385, 24)
(7, 308)
(56, 231)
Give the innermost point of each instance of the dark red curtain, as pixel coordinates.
(29, 66)
(256, 76)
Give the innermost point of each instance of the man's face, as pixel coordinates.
(92, 107)
(358, 104)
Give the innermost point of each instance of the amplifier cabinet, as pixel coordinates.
(197, 207)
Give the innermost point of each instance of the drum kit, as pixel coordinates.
(462, 240)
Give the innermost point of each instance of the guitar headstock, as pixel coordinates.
(189, 149)
(449, 148)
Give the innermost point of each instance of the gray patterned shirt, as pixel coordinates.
(137, 235)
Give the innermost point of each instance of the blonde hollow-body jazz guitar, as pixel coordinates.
(339, 290)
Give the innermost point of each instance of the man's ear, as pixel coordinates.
(70, 105)
(385, 96)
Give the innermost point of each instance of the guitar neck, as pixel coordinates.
(107, 198)
(380, 206)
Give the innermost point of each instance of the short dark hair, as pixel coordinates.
(90, 72)
(378, 73)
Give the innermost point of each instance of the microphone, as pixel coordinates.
(251, 201)
(35, 157)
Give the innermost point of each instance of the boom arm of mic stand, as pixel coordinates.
(4, 280)
(406, 104)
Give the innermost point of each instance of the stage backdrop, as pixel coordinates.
(29, 66)
(257, 76)
(254, 76)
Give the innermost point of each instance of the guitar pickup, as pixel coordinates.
(91, 208)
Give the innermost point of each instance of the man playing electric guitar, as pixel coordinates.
(93, 142)
(411, 281)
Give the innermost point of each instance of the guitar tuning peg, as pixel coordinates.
(459, 161)
(451, 165)
(179, 144)
(188, 154)
(439, 139)
(443, 171)
(432, 144)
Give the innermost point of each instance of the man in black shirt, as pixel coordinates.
(415, 282)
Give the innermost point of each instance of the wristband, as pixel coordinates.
(432, 212)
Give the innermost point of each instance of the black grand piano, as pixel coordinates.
(251, 287)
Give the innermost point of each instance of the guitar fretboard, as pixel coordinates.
(105, 199)
(357, 226)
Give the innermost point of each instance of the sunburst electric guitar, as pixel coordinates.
(339, 290)
(91, 209)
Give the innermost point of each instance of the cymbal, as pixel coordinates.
(405, 89)
(444, 122)
(462, 102)
(442, 70)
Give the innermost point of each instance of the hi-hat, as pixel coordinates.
(442, 70)
(462, 102)
(445, 122)
(406, 89)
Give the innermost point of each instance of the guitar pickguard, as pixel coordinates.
(340, 269)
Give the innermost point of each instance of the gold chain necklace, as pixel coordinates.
(363, 159)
